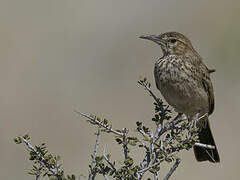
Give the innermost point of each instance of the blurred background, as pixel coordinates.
(57, 56)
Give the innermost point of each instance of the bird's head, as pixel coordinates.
(172, 43)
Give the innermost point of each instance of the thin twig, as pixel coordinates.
(142, 143)
(144, 134)
(104, 175)
(151, 147)
(146, 161)
(112, 165)
(107, 160)
(146, 86)
(125, 148)
(94, 120)
(173, 168)
(156, 176)
(142, 171)
(157, 132)
(93, 163)
(207, 146)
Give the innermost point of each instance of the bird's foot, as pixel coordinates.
(193, 124)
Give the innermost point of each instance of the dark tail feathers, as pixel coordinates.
(203, 154)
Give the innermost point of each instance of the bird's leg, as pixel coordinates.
(193, 123)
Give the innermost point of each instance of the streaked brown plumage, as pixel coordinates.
(184, 81)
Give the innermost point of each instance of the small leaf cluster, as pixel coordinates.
(44, 163)
(127, 170)
(100, 167)
(132, 141)
(162, 112)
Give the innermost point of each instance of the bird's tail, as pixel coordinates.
(204, 154)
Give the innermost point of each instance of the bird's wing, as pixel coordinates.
(208, 87)
(156, 76)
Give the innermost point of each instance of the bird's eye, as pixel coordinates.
(173, 41)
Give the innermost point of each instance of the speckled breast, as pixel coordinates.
(179, 86)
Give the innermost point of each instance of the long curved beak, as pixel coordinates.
(153, 38)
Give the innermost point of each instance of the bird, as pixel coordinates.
(184, 81)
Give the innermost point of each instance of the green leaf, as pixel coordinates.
(26, 136)
(52, 177)
(139, 123)
(18, 140)
(132, 141)
(57, 158)
(128, 162)
(105, 121)
(119, 141)
(155, 169)
(145, 138)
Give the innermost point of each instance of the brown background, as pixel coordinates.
(58, 55)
